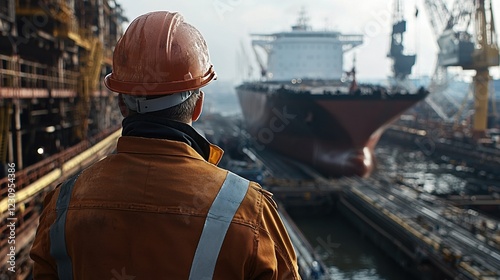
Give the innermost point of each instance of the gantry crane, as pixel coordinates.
(473, 48)
(402, 63)
(476, 50)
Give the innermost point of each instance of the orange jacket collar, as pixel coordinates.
(130, 144)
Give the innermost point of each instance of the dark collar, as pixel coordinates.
(161, 128)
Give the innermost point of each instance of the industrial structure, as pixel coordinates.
(53, 55)
(56, 117)
(463, 132)
(402, 63)
(466, 38)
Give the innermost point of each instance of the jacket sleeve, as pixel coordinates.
(44, 267)
(275, 256)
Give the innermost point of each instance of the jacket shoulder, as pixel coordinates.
(253, 206)
(268, 196)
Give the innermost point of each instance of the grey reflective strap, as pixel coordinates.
(218, 219)
(57, 231)
(152, 105)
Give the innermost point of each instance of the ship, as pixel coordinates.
(306, 107)
(56, 117)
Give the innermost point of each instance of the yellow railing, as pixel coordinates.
(31, 187)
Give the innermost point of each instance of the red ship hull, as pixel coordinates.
(335, 134)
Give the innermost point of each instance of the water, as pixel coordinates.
(350, 255)
(346, 252)
(442, 179)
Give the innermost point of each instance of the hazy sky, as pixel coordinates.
(226, 25)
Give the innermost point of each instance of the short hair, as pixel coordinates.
(182, 112)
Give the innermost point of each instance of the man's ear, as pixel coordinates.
(123, 107)
(198, 107)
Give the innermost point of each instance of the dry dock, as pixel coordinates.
(428, 236)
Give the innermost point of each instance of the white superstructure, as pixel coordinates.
(305, 54)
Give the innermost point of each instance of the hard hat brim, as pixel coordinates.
(147, 89)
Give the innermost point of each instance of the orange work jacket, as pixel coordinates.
(139, 214)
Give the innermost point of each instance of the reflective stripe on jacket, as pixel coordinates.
(140, 213)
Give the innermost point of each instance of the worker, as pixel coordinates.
(160, 208)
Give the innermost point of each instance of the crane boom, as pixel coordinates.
(260, 61)
(438, 15)
(461, 15)
(456, 43)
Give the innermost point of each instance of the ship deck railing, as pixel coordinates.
(339, 90)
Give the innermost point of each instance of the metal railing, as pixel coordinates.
(17, 72)
(30, 192)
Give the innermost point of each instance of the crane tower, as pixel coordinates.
(402, 63)
(473, 48)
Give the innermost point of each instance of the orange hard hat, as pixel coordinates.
(160, 54)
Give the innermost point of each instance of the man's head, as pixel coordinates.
(187, 112)
(159, 65)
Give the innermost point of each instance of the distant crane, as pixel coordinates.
(476, 50)
(471, 50)
(402, 63)
(243, 62)
(260, 61)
